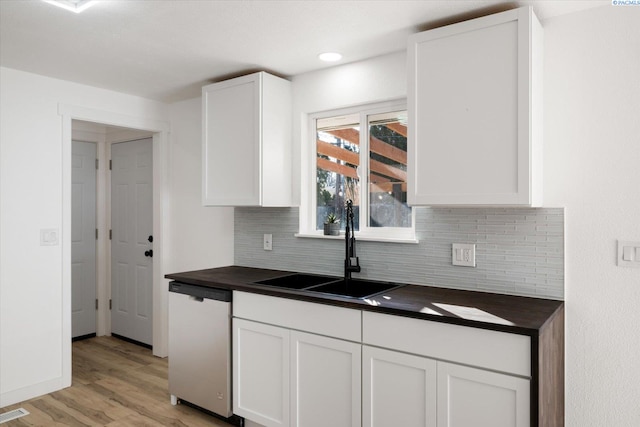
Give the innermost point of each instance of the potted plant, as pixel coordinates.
(331, 225)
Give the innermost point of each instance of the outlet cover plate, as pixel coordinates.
(267, 242)
(463, 254)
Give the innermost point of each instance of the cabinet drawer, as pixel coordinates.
(319, 319)
(494, 350)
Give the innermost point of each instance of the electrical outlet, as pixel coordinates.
(267, 242)
(463, 254)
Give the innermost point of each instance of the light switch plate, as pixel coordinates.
(463, 254)
(48, 237)
(628, 254)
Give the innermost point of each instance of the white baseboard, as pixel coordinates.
(30, 392)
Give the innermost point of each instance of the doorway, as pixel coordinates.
(109, 301)
(146, 121)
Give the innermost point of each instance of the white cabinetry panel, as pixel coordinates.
(319, 319)
(474, 397)
(475, 113)
(325, 381)
(398, 389)
(246, 142)
(499, 351)
(261, 373)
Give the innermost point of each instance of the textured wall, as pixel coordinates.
(592, 158)
(518, 251)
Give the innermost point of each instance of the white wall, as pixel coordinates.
(592, 166)
(201, 237)
(34, 280)
(35, 330)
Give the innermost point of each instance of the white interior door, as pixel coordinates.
(83, 238)
(131, 249)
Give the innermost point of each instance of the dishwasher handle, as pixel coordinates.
(201, 292)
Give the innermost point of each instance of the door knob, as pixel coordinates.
(149, 253)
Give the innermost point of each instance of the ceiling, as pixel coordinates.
(168, 49)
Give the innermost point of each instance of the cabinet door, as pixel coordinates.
(231, 120)
(472, 134)
(261, 373)
(325, 381)
(398, 389)
(470, 397)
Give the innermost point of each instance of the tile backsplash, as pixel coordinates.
(519, 251)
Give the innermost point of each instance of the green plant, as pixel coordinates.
(331, 219)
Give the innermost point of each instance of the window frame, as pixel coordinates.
(308, 215)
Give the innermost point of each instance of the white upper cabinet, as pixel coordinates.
(246, 149)
(475, 113)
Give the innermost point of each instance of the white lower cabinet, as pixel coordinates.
(352, 369)
(475, 397)
(409, 378)
(325, 381)
(261, 373)
(398, 389)
(411, 391)
(296, 363)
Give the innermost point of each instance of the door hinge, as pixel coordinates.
(96, 303)
(96, 234)
(110, 164)
(110, 304)
(110, 234)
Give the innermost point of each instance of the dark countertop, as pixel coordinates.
(506, 313)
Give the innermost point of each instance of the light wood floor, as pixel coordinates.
(115, 383)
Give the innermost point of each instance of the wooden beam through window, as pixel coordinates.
(336, 152)
(375, 145)
(398, 128)
(350, 157)
(330, 166)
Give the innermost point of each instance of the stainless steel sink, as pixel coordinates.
(356, 288)
(297, 281)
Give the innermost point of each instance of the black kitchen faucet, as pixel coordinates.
(351, 261)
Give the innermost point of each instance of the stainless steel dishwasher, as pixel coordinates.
(200, 347)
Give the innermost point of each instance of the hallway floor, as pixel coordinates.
(115, 383)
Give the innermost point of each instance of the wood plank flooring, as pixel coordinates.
(115, 383)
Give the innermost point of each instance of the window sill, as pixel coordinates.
(380, 239)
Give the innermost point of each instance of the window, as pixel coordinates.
(361, 154)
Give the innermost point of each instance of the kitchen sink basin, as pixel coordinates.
(297, 281)
(357, 288)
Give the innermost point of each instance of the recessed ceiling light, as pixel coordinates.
(330, 56)
(75, 6)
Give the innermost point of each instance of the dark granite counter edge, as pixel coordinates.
(242, 278)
